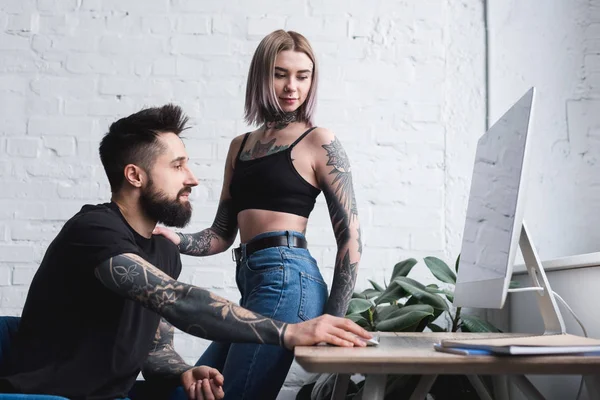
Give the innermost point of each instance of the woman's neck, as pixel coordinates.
(280, 120)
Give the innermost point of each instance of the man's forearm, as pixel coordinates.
(164, 365)
(189, 308)
(204, 314)
(163, 362)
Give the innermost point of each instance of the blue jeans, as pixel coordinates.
(283, 283)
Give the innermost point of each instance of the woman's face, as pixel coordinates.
(292, 79)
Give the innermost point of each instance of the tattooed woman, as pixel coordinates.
(272, 177)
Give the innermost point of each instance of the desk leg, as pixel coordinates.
(422, 389)
(340, 388)
(592, 382)
(480, 388)
(500, 387)
(374, 387)
(526, 387)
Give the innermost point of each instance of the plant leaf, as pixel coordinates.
(404, 318)
(514, 284)
(391, 294)
(412, 300)
(382, 312)
(360, 320)
(440, 270)
(436, 328)
(420, 292)
(448, 293)
(476, 324)
(357, 306)
(370, 293)
(376, 286)
(403, 267)
(457, 263)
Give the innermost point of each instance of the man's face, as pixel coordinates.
(165, 197)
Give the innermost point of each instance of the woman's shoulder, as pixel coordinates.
(237, 141)
(321, 135)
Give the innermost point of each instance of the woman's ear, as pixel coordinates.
(134, 175)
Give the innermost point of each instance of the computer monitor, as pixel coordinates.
(495, 210)
(494, 226)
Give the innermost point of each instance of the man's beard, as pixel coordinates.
(158, 207)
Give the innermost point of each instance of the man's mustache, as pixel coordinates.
(187, 190)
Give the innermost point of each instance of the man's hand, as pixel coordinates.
(168, 233)
(328, 329)
(203, 383)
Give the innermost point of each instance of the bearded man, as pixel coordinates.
(104, 302)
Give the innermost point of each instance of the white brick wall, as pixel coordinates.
(402, 84)
(555, 48)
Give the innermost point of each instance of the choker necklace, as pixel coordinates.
(281, 120)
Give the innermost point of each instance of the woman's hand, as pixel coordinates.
(168, 233)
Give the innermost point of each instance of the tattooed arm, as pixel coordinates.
(216, 239)
(163, 362)
(189, 308)
(204, 314)
(221, 235)
(335, 179)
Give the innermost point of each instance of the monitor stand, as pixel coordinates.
(553, 320)
(553, 325)
(551, 315)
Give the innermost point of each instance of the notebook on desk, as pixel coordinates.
(526, 345)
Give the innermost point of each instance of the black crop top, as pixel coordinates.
(272, 183)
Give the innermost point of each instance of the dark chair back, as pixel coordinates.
(8, 329)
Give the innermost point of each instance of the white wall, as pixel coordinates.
(554, 46)
(402, 84)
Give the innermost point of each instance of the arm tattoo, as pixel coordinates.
(342, 286)
(222, 233)
(163, 362)
(189, 308)
(341, 203)
(344, 278)
(225, 224)
(359, 241)
(343, 177)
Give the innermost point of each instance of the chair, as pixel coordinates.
(8, 330)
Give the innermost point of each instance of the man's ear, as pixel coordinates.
(135, 175)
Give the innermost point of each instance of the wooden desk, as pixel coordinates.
(413, 353)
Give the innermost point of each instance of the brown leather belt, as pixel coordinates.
(270, 241)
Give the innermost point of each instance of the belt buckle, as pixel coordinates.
(236, 254)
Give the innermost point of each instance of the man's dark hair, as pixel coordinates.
(133, 140)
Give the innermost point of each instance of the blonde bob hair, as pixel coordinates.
(261, 100)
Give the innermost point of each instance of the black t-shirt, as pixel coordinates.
(77, 338)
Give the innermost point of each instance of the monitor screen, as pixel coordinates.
(495, 210)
